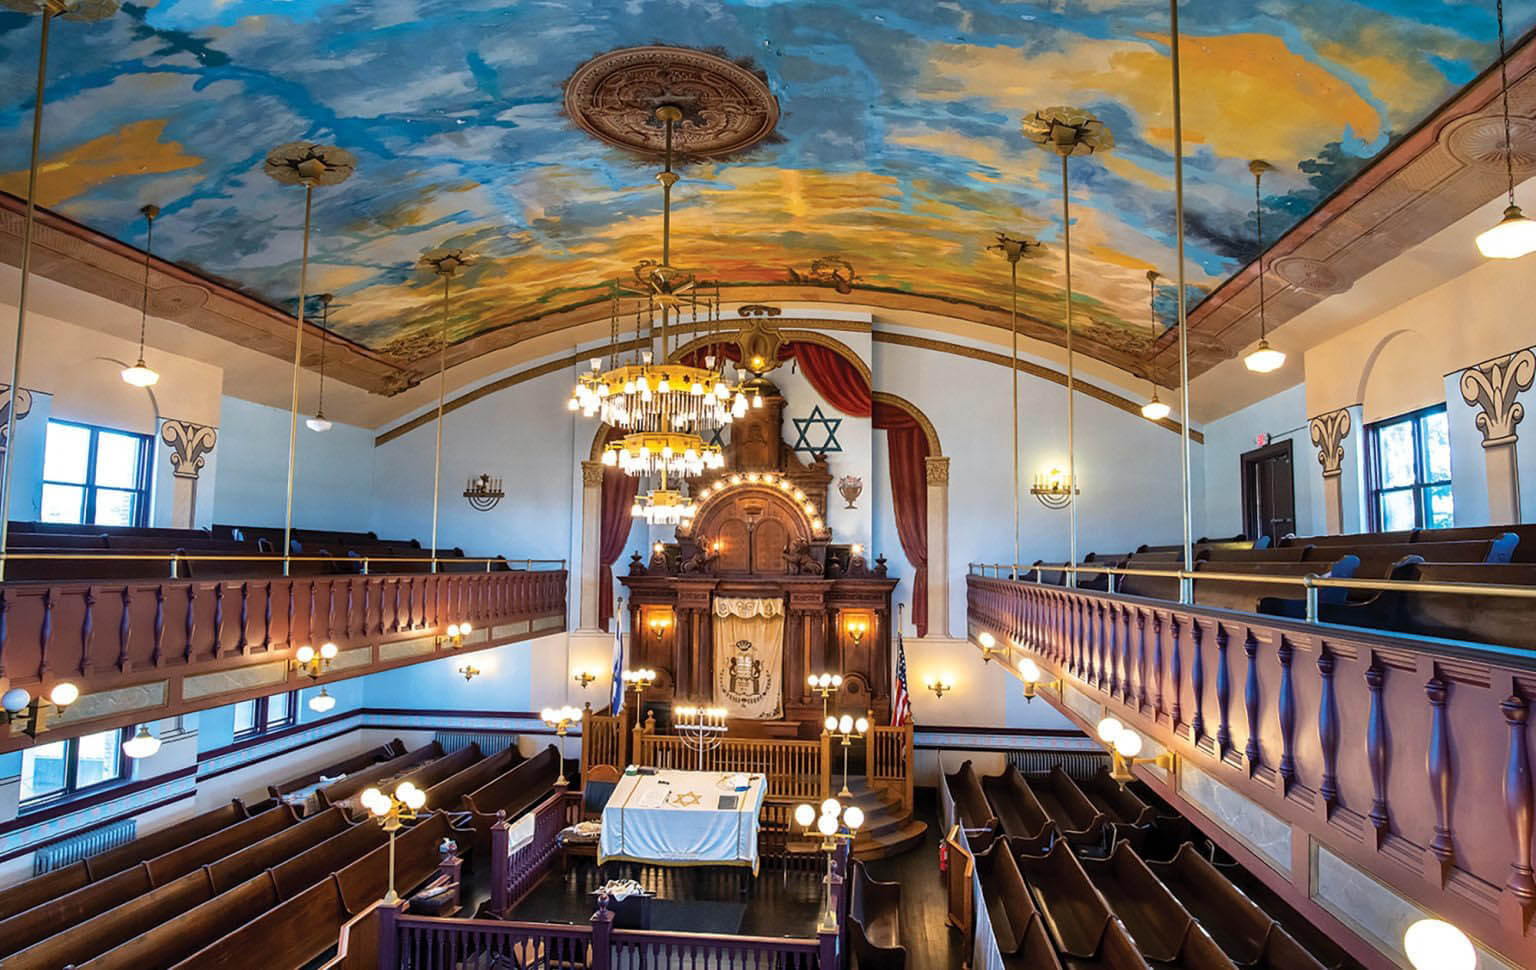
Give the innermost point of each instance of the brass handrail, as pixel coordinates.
(270, 557)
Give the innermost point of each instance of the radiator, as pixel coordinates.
(490, 741)
(77, 847)
(1079, 765)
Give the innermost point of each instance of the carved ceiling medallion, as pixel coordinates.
(1479, 141)
(1311, 276)
(727, 108)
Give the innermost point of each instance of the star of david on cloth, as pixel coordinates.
(687, 799)
(803, 427)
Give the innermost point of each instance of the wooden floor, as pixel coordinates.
(931, 945)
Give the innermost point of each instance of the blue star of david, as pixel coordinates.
(804, 425)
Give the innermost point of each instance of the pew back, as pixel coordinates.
(350, 786)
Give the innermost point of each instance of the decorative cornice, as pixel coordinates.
(592, 473)
(937, 470)
(189, 443)
(1328, 434)
(1495, 386)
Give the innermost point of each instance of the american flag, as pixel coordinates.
(901, 708)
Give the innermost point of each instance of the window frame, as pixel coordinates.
(259, 725)
(1421, 485)
(140, 491)
(72, 789)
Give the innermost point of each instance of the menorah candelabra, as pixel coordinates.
(701, 728)
(483, 493)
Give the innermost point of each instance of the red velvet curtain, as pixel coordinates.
(613, 530)
(906, 444)
(835, 378)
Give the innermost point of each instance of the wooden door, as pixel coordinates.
(1269, 492)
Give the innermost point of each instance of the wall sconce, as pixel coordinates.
(1433, 944)
(940, 685)
(18, 705)
(469, 672)
(659, 625)
(312, 663)
(454, 635)
(1054, 489)
(988, 644)
(584, 677)
(483, 493)
(1030, 673)
(857, 627)
(1124, 746)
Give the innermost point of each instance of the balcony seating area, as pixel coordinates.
(1499, 555)
(117, 552)
(1053, 902)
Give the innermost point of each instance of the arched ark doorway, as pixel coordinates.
(754, 527)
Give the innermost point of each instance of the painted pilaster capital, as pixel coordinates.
(937, 470)
(592, 473)
(1494, 386)
(1328, 434)
(189, 444)
(23, 408)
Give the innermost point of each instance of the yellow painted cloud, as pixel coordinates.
(134, 149)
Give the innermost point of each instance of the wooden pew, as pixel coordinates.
(1350, 540)
(144, 913)
(441, 769)
(1163, 929)
(449, 793)
(1075, 817)
(512, 793)
(349, 787)
(1119, 803)
(1018, 927)
(874, 922)
(1261, 597)
(69, 909)
(971, 807)
(1524, 532)
(348, 766)
(1238, 554)
(1081, 924)
(51, 885)
(1016, 809)
(1246, 933)
(1501, 621)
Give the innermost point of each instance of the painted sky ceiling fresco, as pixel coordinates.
(898, 151)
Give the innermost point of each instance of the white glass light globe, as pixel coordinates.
(1029, 670)
(854, 816)
(328, 650)
(986, 639)
(837, 680)
(1128, 743)
(1433, 944)
(140, 375)
(845, 724)
(805, 814)
(1513, 237)
(812, 680)
(16, 699)
(464, 629)
(1109, 729)
(831, 807)
(142, 744)
(403, 790)
(304, 654)
(322, 702)
(831, 724)
(1264, 359)
(861, 725)
(1155, 410)
(380, 806)
(416, 799)
(318, 423)
(827, 824)
(547, 715)
(453, 629)
(64, 694)
(369, 796)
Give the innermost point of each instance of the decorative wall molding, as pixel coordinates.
(937, 470)
(23, 408)
(1494, 386)
(1328, 434)
(190, 443)
(592, 473)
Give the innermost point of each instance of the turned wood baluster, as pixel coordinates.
(45, 634)
(1175, 672)
(1251, 700)
(1107, 648)
(1376, 745)
(191, 623)
(1157, 664)
(1079, 644)
(1197, 679)
(309, 615)
(155, 655)
(243, 644)
(1437, 763)
(1125, 653)
(87, 630)
(5, 609)
(1223, 693)
(410, 601)
(1286, 708)
(367, 596)
(125, 627)
(394, 626)
(347, 629)
(1141, 658)
(1328, 728)
(330, 609)
(266, 618)
(292, 596)
(1094, 640)
(218, 617)
(1518, 800)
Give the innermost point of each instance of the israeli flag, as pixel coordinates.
(616, 701)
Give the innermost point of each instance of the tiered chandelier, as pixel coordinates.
(666, 409)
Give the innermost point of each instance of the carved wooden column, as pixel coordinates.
(1328, 434)
(1493, 387)
(938, 546)
(591, 543)
(189, 444)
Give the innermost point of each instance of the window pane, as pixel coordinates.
(1397, 510)
(277, 710)
(99, 759)
(1394, 445)
(42, 770)
(66, 452)
(1437, 448)
(245, 716)
(114, 507)
(63, 503)
(117, 460)
(1437, 503)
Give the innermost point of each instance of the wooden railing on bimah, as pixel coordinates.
(888, 760)
(794, 768)
(516, 870)
(604, 740)
(1408, 758)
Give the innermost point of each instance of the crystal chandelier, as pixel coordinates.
(664, 506)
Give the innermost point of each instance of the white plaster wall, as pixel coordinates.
(1283, 417)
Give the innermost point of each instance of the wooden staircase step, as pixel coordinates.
(870, 845)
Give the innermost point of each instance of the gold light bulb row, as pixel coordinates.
(780, 482)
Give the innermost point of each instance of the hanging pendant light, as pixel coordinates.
(1264, 357)
(142, 744)
(322, 702)
(140, 375)
(318, 423)
(1153, 410)
(1515, 235)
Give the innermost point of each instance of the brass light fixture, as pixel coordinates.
(469, 672)
(584, 678)
(140, 374)
(318, 423)
(825, 684)
(560, 718)
(1054, 489)
(846, 729)
(1013, 250)
(857, 626)
(483, 493)
(142, 744)
(659, 626)
(1515, 235)
(1124, 747)
(1031, 675)
(322, 702)
(311, 662)
(391, 812)
(454, 635)
(988, 644)
(29, 715)
(1153, 410)
(446, 263)
(1264, 358)
(1433, 944)
(80, 11)
(307, 164)
(940, 684)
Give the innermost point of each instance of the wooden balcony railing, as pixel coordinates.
(1407, 758)
(795, 769)
(888, 760)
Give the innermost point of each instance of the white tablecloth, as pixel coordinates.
(674, 818)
